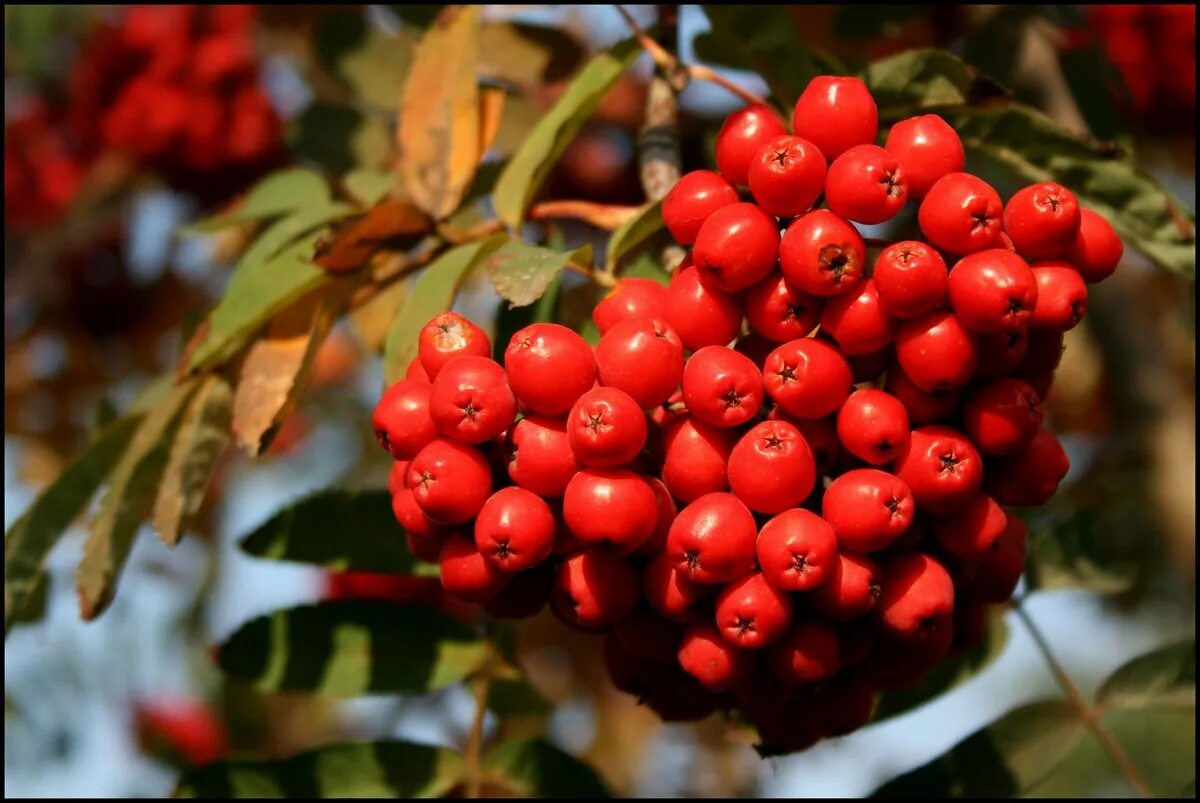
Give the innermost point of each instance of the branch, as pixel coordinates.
(473, 750)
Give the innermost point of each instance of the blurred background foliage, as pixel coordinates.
(124, 124)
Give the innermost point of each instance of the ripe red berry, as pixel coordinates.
(1042, 220)
(696, 457)
(712, 539)
(911, 279)
(704, 655)
(397, 475)
(606, 427)
(927, 148)
(742, 136)
(1002, 416)
(416, 370)
(850, 590)
(644, 358)
(540, 458)
(796, 550)
(780, 311)
(471, 400)
(466, 573)
(822, 254)
(721, 387)
(1097, 249)
(690, 202)
(942, 468)
(515, 529)
(771, 468)
(594, 590)
(918, 595)
(787, 176)
(998, 574)
(610, 509)
(412, 518)
(630, 298)
(1000, 353)
(737, 246)
(450, 481)
(858, 322)
(936, 351)
(1030, 477)
(868, 509)
(873, 426)
(835, 113)
(808, 378)
(669, 591)
(751, 613)
(970, 533)
(1061, 296)
(701, 313)
(961, 214)
(427, 547)
(866, 184)
(447, 336)
(807, 653)
(549, 367)
(649, 636)
(1043, 354)
(667, 510)
(922, 407)
(993, 291)
(401, 419)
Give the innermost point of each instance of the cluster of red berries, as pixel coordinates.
(755, 515)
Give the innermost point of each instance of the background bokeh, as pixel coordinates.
(122, 124)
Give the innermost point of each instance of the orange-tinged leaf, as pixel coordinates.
(491, 112)
(352, 243)
(439, 131)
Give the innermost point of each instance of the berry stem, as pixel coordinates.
(1086, 712)
(473, 749)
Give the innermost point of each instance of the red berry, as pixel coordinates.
(821, 435)
(541, 458)
(796, 550)
(630, 298)
(549, 367)
(1042, 220)
(751, 613)
(696, 458)
(447, 336)
(1002, 416)
(676, 696)
(1097, 249)
(669, 591)
(911, 279)
(401, 419)
(942, 468)
(771, 468)
(450, 481)
(471, 400)
(918, 595)
(742, 136)
(836, 113)
(1042, 355)
(704, 655)
(1000, 571)
(1000, 353)
(397, 475)
(649, 636)
(822, 254)
(701, 313)
(515, 529)
(594, 590)
(610, 509)
(1061, 296)
(667, 510)
(1030, 477)
(868, 509)
(857, 321)
(850, 590)
(606, 427)
(961, 214)
(416, 370)
(644, 358)
(466, 573)
(525, 595)
(737, 246)
(868, 367)
(721, 387)
(873, 426)
(807, 653)
(807, 378)
(971, 532)
(413, 519)
(936, 351)
(779, 311)
(993, 291)
(922, 407)
(690, 202)
(787, 176)
(927, 148)
(712, 539)
(754, 346)
(866, 184)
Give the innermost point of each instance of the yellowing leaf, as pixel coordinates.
(351, 244)
(521, 272)
(491, 112)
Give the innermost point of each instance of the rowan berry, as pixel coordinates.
(866, 184)
(868, 509)
(796, 550)
(696, 458)
(540, 457)
(606, 427)
(466, 573)
(993, 291)
(630, 298)
(936, 351)
(1097, 249)
(771, 468)
(927, 148)
(594, 590)
(822, 254)
(515, 529)
(737, 246)
(1002, 416)
(704, 655)
(401, 419)
(873, 426)
(614, 510)
(808, 378)
(644, 358)
(450, 481)
(549, 367)
(692, 200)
(700, 312)
(751, 613)
(835, 113)
(721, 387)
(471, 400)
(850, 590)
(713, 539)
(1061, 297)
(447, 336)
(857, 321)
(941, 467)
(742, 136)
(1042, 220)
(780, 311)
(961, 214)
(910, 278)
(787, 176)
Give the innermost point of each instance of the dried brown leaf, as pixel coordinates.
(352, 243)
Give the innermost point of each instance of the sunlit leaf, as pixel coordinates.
(351, 244)
(277, 194)
(367, 187)
(633, 233)
(371, 62)
(491, 114)
(527, 55)
(1164, 677)
(536, 768)
(510, 320)
(521, 272)
(916, 81)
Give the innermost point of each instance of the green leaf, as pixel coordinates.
(369, 61)
(277, 194)
(510, 320)
(949, 673)
(350, 648)
(339, 138)
(1006, 758)
(633, 233)
(1164, 677)
(1035, 148)
(1069, 554)
(515, 698)
(370, 769)
(646, 266)
(274, 239)
(536, 768)
(528, 167)
(32, 536)
(367, 187)
(521, 272)
(314, 530)
(914, 81)
(434, 294)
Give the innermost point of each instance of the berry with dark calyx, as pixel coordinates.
(796, 550)
(649, 636)
(808, 652)
(780, 311)
(644, 358)
(706, 656)
(752, 613)
(1097, 249)
(911, 279)
(696, 458)
(850, 590)
(690, 202)
(515, 529)
(927, 148)
(669, 592)
(737, 246)
(1030, 477)
(941, 467)
(401, 419)
(993, 291)
(820, 434)
(868, 509)
(540, 457)
(1002, 416)
(721, 387)
(412, 518)
(771, 468)
(471, 400)
(873, 426)
(701, 313)
(787, 176)
(961, 214)
(612, 510)
(549, 367)
(866, 184)
(857, 321)
(936, 351)
(466, 573)
(630, 298)
(808, 378)
(447, 336)
(822, 254)
(593, 590)
(450, 481)
(743, 134)
(835, 113)
(1042, 220)
(713, 539)
(918, 595)
(606, 427)
(1062, 296)
(971, 532)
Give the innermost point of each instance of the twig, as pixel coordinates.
(1085, 711)
(702, 73)
(473, 749)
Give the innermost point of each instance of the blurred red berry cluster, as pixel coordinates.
(183, 730)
